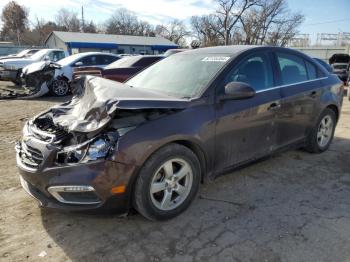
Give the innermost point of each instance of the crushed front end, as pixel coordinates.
(70, 157)
(38, 77)
(72, 172)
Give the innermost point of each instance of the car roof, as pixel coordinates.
(231, 49)
(234, 50)
(93, 53)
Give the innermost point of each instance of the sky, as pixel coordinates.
(321, 16)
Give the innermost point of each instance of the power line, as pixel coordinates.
(329, 22)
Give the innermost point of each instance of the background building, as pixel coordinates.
(120, 44)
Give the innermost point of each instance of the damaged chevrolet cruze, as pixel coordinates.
(149, 143)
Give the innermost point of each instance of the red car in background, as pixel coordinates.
(122, 69)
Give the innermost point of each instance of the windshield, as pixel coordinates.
(38, 56)
(124, 62)
(180, 75)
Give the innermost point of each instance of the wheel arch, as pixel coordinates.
(198, 151)
(335, 109)
(193, 146)
(63, 77)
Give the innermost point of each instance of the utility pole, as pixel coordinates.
(82, 19)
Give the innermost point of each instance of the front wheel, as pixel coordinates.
(59, 87)
(322, 134)
(167, 183)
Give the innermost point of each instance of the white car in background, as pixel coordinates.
(11, 68)
(63, 69)
(22, 54)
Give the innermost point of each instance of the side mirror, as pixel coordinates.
(78, 63)
(237, 90)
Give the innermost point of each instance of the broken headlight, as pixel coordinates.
(94, 149)
(99, 149)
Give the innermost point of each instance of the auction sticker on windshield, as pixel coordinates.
(216, 59)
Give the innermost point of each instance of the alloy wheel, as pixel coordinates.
(171, 184)
(325, 131)
(60, 87)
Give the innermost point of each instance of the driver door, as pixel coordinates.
(245, 128)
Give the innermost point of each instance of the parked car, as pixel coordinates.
(324, 64)
(148, 143)
(339, 63)
(11, 69)
(122, 69)
(63, 70)
(22, 54)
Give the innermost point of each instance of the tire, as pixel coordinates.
(18, 80)
(59, 87)
(320, 137)
(160, 193)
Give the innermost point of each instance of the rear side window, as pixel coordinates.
(89, 60)
(292, 68)
(311, 70)
(106, 59)
(255, 70)
(146, 61)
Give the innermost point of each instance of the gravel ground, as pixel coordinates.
(294, 206)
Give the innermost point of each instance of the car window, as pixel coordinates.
(89, 60)
(106, 59)
(340, 66)
(292, 68)
(146, 61)
(180, 75)
(311, 70)
(56, 55)
(255, 70)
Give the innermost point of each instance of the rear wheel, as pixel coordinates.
(322, 134)
(167, 183)
(59, 87)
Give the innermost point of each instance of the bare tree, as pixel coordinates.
(206, 28)
(67, 20)
(229, 13)
(285, 30)
(89, 28)
(145, 29)
(125, 22)
(15, 21)
(270, 23)
(175, 31)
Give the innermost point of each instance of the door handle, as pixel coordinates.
(274, 106)
(313, 94)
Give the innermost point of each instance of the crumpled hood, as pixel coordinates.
(96, 100)
(34, 67)
(38, 66)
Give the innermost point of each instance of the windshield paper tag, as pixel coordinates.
(216, 59)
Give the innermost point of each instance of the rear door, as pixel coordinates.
(300, 90)
(245, 129)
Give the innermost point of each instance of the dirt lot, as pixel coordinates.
(292, 207)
